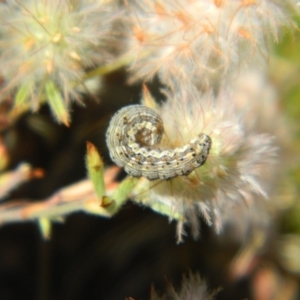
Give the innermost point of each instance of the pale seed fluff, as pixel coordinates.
(256, 96)
(46, 46)
(189, 39)
(193, 287)
(238, 169)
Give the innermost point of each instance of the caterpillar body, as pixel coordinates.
(133, 138)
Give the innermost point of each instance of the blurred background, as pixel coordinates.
(124, 257)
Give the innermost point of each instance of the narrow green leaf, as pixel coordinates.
(22, 95)
(95, 169)
(124, 189)
(56, 102)
(45, 227)
(166, 210)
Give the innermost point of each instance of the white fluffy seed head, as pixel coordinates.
(192, 39)
(52, 43)
(238, 169)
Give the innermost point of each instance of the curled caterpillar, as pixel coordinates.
(133, 136)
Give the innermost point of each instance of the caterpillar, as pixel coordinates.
(133, 138)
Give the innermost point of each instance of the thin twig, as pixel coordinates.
(77, 197)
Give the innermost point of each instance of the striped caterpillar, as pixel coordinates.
(133, 136)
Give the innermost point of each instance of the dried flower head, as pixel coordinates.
(193, 288)
(46, 46)
(256, 97)
(200, 38)
(237, 170)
